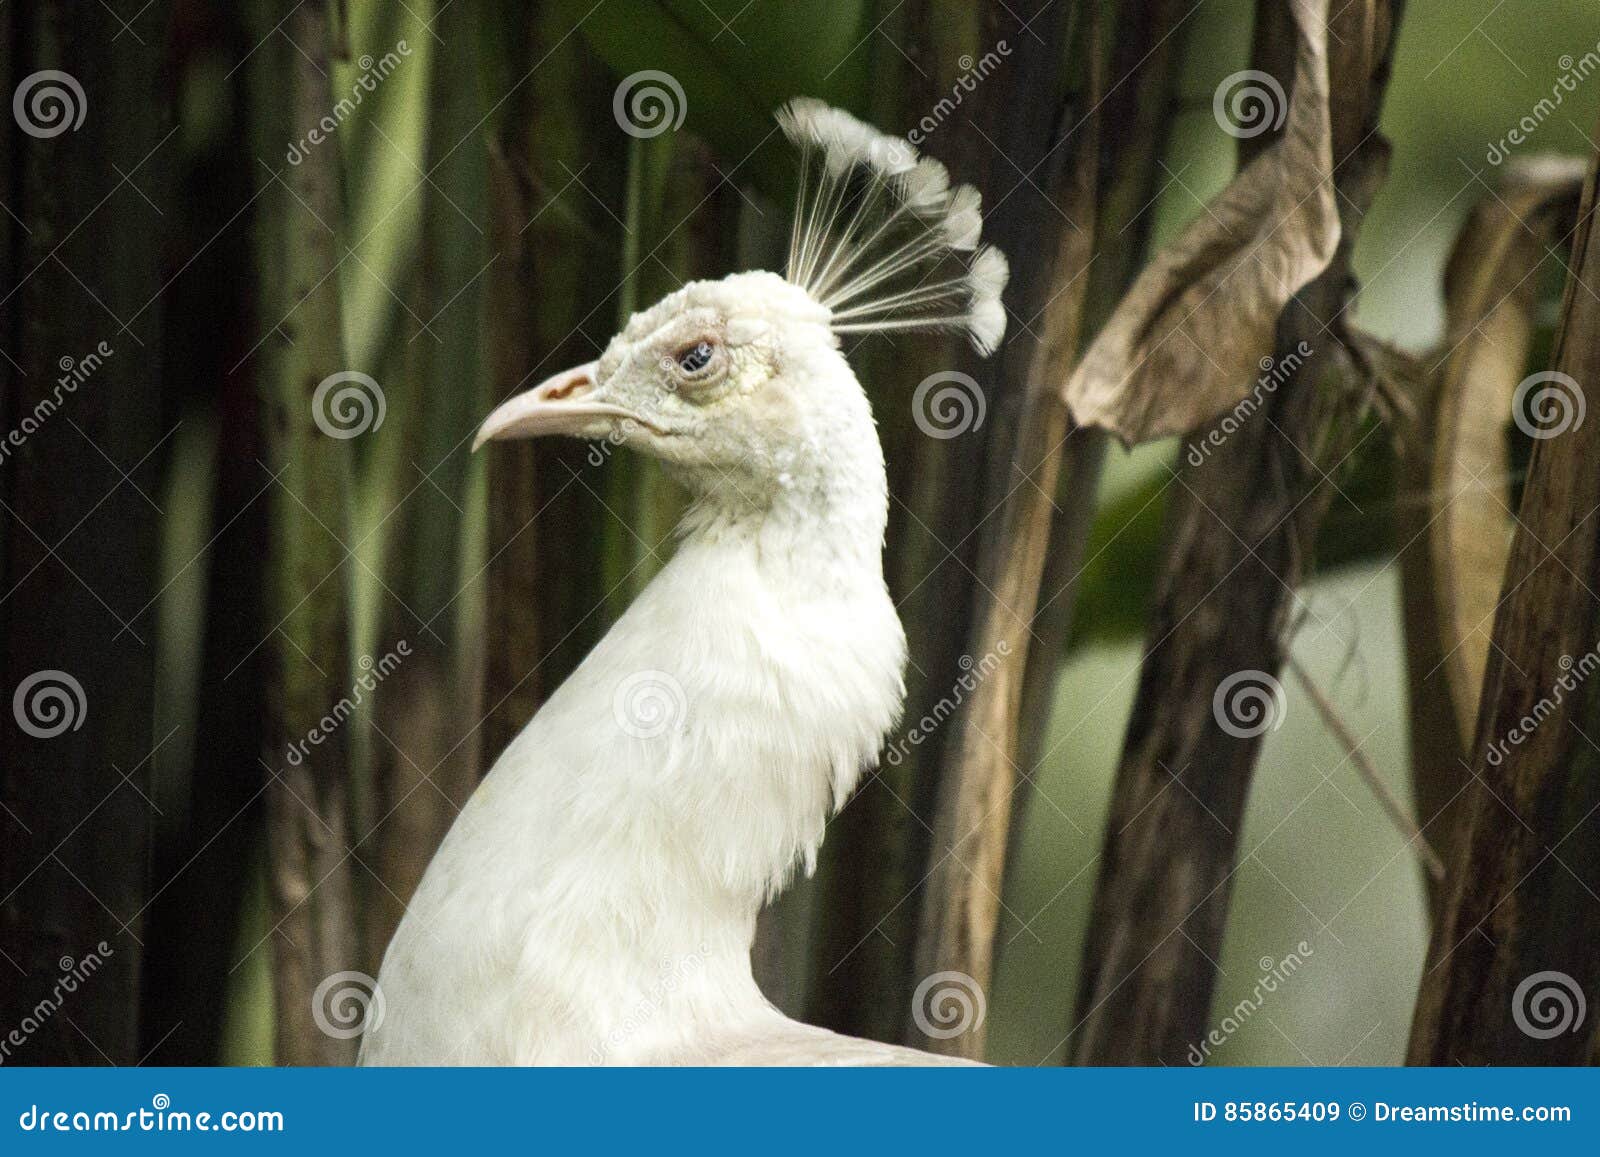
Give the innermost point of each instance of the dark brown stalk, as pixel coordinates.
(554, 160)
(973, 820)
(1240, 531)
(867, 885)
(315, 922)
(213, 809)
(1455, 520)
(425, 757)
(1516, 951)
(1136, 122)
(80, 304)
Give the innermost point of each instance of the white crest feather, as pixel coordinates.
(925, 186)
(963, 224)
(880, 237)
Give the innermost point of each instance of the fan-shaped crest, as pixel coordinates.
(882, 239)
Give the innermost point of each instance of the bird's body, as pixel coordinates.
(595, 902)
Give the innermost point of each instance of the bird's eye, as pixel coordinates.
(692, 359)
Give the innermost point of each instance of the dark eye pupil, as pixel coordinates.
(695, 358)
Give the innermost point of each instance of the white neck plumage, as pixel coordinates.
(675, 781)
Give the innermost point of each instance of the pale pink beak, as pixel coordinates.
(563, 404)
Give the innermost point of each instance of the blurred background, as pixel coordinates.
(1324, 867)
(438, 202)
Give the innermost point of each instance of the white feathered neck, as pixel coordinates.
(596, 900)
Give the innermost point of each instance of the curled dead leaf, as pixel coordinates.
(1490, 300)
(1187, 341)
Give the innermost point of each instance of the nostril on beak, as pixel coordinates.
(568, 389)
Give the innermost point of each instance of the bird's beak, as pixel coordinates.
(564, 404)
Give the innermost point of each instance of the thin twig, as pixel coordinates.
(1398, 813)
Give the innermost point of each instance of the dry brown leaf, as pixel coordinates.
(1490, 296)
(1186, 342)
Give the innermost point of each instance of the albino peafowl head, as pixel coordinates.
(742, 379)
